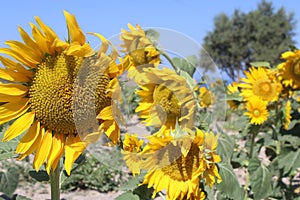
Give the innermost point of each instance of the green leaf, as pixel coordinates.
(292, 140)
(229, 185)
(185, 65)
(289, 160)
(260, 64)
(9, 179)
(39, 175)
(132, 183)
(260, 179)
(4, 156)
(144, 192)
(128, 196)
(234, 97)
(225, 146)
(189, 80)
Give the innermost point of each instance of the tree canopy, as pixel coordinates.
(238, 40)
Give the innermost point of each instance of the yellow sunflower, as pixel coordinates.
(287, 115)
(140, 51)
(165, 99)
(178, 161)
(259, 83)
(47, 92)
(231, 89)
(206, 97)
(131, 152)
(257, 110)
(290, 69)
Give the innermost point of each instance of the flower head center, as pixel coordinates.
(264, 89)
(256, 113)
(167, 101)
(52, 93)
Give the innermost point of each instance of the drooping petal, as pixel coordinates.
(43, 150)
(71, 154)
(57, 149)
(29, 138)
(19, 126)
(34, 145)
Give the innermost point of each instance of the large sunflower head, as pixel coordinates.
(257, 110)
(140, 51)
(290, 69)
(165, 99)
(178, 161)
(258, 82)
(43, 81)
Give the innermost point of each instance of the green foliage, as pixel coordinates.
(260, 35)
(230, 186)
(260, 178)
(94, 175)
(9, 178)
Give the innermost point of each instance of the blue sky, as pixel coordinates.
(190, 17)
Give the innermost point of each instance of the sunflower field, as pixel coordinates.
(147, 120)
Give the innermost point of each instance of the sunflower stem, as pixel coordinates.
(252, 144)
(54, 181)
(164, 54)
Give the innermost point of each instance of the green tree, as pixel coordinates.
(260, 35)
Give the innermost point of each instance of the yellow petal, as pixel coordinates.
(105, 42)
(19, 126)
(16, 55)
(30, 54)
(40, 39)
(43, 150)
(13, 110)
(10, 75)
(51, 35)
(71, 154)
(75, 49)
(13, 89)
(106, 113)
(29, 138)
(74, 29)
(34, 145)
(15, 66)
(29, 42)
(57, 147)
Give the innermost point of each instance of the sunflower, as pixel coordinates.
(140, 51)
(206, 97)
(232, 89)
(178, 161)
(48, 92)
(165, 99)
(131, 152)
(290, 69)
(257, 110)
(258, 82)
(287, 115)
